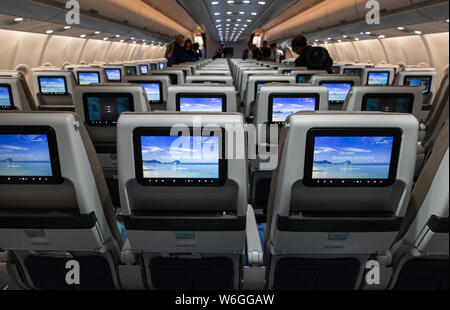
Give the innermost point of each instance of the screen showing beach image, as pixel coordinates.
(144, 69)
(352, 157)
(378, 78)
(153, 91)
(338, 91)
(424, 83)
(180, 157)
(87, 78)
(106, 109)
(390, 104)
(5, 99)
(113, 74)
(283, 107)
(201, 104)
(53, 86)
(24, 156)
(303, 79)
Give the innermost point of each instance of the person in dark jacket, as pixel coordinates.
(312, 57)
(265, 51)
(190, 49)
(197, 51)
(176, 53)
(251, 52)
(220, 53)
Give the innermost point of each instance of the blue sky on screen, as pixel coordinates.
(378, 78)
(24, 148)
(152, 90)
(201, 104)
(338, 92)
(167, 149)
(113, 74)
(5, 100)
(88, 78)
(358, 150)
(53, 85)
(283, 107)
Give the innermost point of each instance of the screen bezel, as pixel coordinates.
(88, 72)
(11, 99)
(352, 83)
(298, 75)
(52, 77)
(153, 67)
(164, 131)
(379, 72)
(383, 96)
(56, 177)
(199, 95)
(129, 68)
(351, 132)
(144, 66)
(100, 95)
(161, 99)
(207, 82)
(408, 79)
(109, 69)
(316, 96)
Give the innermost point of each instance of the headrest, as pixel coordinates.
(90, 75)
(15, 95)
(176, 76)
(194, 79)
(394, 99)
(318, 79)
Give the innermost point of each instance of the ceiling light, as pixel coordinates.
(214, 2)
(49, 31)
(381, 36)
(340, 41)
(117, 35)
(134, 42)
(216, 14)
(132, 38)
(400, 28)
(230, 2)
(97, 32)
(83, 36)
(345, 36)
(229, 13)
(254, 13)
(262, 2)
(368, 33)
(241, 13)
(67, 27)
(105, 39)
(218, 21)
(418, 32)
(18, 19)
(121, 41)
(246, 2)
(356, 39)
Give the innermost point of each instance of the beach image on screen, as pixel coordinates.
(5, 100)
(399, 105)
(107, 109)
(152, 90)
(200, 104)
(144, 69)
(180, 157)
(113, 74)
(352, 157)
(423, 83)
(338, 92)
(87, 78)
(283, 107)
(378, 78)
(24, 156)
(54, 86)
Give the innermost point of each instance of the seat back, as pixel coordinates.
(176, 76)
(131, 69)
(15, 94)
(99, 107)
(378, 76)
(209, 79)
(202, 98)
(197, 214)
(243, 79)
(339, 87)
(156, 87)
(254, 82)
(288, 69)
(393, 99)
(304, 76)
(54, 90)
(345, 200)
(67, 213)
(352, 70)
(114, 73)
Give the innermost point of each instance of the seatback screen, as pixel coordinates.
(28, 155)
(114, 75)
(6, 98)
(52, 86)
(144, 69)
(153, 67)
(105, 109)
(87, 78)
(423, 82)
(352, 157)
(337, 91)
(131, 71)
(162, 159)
(378, 78)
(161, 65)
(153, 89)
(353, 72)
(199, 103)
(303, 78)
(281, 106)
(399, 103)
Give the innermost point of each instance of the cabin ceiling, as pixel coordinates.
(233, 20)
(174, 11)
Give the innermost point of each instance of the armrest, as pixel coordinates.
(255, 253)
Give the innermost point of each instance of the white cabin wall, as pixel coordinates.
(30, 50)
(430, 49)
